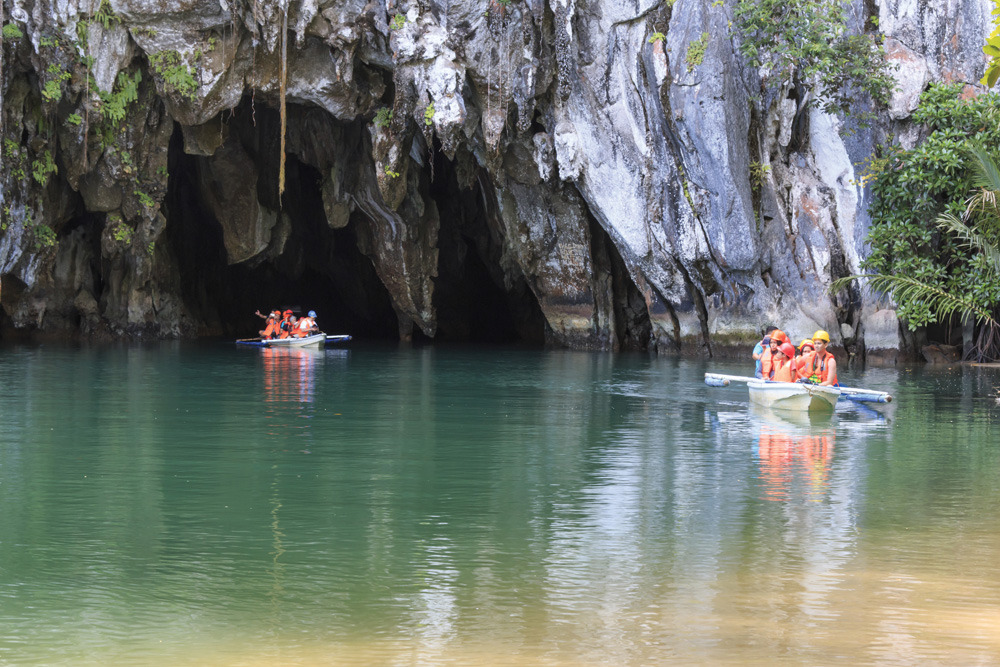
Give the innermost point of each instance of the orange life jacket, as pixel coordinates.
(285, 328)
(766, 364)
(784, 371)
(820, 367)
(302, 327)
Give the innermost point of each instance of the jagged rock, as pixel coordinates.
(624, 192)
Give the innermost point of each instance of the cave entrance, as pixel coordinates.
(306, 266)
(474, 300)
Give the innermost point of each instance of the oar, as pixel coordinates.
(861, 395)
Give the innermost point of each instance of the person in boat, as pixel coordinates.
(287, 324)
(767, 366)
(307, 326)
(272, 320)
(758, 349)
(804, 349)
(784, 363)
(820, 366)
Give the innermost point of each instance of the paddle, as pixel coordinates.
(861, 395)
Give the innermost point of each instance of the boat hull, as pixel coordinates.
(793, 396)
(309, 341)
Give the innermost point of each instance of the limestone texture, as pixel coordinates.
(540, 169)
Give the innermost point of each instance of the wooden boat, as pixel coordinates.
(794, 396)
(308, 341)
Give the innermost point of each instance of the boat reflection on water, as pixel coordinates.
(794, 450)
(290, 373)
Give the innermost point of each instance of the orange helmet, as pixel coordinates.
(779, 336)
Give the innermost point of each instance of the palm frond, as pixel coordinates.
(972, 238)
(985, 172)
(910, 290)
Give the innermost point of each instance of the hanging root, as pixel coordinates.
(284, 119)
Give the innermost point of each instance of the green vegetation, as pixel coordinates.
(175, 72)
(696, 51)
(45, 236)
(11, 31)
(656, 37)
(52, 90)
(114, 105)
(398, 21)
(936, 252)
(43, 168)
(991, 48)
(429, 114)
(122, 233)
(151, 248)
(809, 38)
(758, 174)
(390, 173)
(74, 119)
(383, 117)
(144, 199)
(105, 15)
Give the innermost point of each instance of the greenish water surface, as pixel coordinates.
(182, 504)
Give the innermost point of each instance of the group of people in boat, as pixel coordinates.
(777, 359)
(284, 324)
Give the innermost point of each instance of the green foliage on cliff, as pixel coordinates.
(175, 72)
(383, 117)
(810, 38)
(114, 104)
(696, 51)
(930, 241)
(11, 31)
(43, 168)
(992, 49)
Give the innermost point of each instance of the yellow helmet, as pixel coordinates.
(821, 335)
(806, 341)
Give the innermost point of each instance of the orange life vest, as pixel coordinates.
(766, 364)
(302, 327)
(820, 367)
(784, 371)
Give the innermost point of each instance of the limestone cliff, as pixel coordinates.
(454, 168)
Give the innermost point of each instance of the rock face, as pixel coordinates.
(531, 169)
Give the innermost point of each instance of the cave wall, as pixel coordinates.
(543, 156)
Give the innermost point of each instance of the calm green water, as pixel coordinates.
(181, 504)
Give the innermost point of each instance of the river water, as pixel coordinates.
(182, 504)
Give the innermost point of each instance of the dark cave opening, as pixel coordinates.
(317, 268)
(314, 266)
(473, 299)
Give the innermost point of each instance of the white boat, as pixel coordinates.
(308, 341)
(795, 396)
(291, 341)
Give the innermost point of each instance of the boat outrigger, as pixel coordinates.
(797, 396)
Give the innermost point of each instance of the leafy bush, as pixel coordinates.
(383, 117)
(175, 72)
(11, 31)
(918, 186)
(810, 38)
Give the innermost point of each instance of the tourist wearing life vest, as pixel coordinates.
(307, 326)
(784, 363)
(287, 325)
(767, 366)
(803, 353)
(821, 366)
(760, 347)
(272, 320)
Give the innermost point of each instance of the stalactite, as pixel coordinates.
(284, 119)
